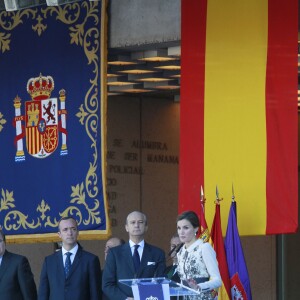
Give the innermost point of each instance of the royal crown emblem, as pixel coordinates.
(42, 123)
(40, 88)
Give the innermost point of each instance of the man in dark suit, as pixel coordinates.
(121, 261)
(16, 278)
(70, 273)
(111, 243)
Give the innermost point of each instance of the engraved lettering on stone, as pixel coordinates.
(118, 143)
(125, 170)
(112, 195)
(153, 145)
(130, 156)
(111, 181)
(167, 159)
(111, 155)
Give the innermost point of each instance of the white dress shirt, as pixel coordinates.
(73, 251)
(140, 248)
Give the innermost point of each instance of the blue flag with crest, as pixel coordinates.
(238, 272)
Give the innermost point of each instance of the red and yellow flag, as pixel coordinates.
(239, 119)
(218, 245)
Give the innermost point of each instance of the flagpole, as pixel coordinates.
(203, 229)
(281, 262)
(236, 262)
(217, 196)
(202, 199)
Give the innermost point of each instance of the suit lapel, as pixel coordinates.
(5, 263)
(76, 261)
(127, 254)
(60, 263)
(145, 258)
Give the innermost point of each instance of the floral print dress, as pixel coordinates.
(199, 262)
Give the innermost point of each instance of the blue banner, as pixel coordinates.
(237, 267)
(52, 120)
(151, 291)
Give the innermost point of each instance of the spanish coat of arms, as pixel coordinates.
(42, 122)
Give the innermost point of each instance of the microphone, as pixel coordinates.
(179, 247)
(176, 249)
(172, 250)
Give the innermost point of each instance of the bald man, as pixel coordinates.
(120, 260)
(111, 243)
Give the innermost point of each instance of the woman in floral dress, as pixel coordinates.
(197, 263)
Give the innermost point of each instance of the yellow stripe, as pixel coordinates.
(222, 293)
(234, 112)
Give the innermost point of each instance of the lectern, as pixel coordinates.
(159, 288)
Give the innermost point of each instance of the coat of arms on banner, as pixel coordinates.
(42, 122)
(237, 289)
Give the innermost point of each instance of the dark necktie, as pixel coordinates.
(68, 264)
(136, 258)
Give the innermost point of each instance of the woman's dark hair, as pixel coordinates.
(191, 216)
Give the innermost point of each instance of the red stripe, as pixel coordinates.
(218, 244)
(282, 117)
(193, 33)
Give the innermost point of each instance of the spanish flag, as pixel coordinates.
(239, 114)
(218, 245)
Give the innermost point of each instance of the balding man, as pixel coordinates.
(72, 272)
(111, 243)
(135, 259)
